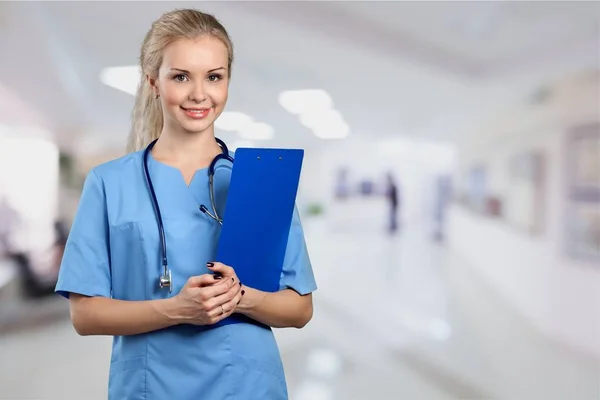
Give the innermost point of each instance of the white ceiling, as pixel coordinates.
(412, 68)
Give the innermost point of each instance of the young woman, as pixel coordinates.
(166, 344)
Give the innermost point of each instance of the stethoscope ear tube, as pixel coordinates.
(213, 216)
(211, 186)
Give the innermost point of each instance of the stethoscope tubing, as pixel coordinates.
(165, 279)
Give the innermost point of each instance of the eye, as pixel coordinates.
(215, 77)
(180, 77)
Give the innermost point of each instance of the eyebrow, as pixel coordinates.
(187, 72)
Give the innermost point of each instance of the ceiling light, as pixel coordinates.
(332, 132)
(327, 124)
(257, 131)
(305, 101)
(233, 121)
(322, 118)
(125, 79)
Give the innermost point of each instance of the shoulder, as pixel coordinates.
(119, 168)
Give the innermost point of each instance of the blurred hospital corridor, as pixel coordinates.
(449, 193)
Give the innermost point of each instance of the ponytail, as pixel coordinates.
(147, 117)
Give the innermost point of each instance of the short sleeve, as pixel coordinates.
(297, 273)
(85, 265)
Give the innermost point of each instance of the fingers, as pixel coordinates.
(219, 293)
(219, 288)
(220, 312)
(221, 268)
(232, 304)
(223, 271)
(225, 298)
(216, 307)
(226, 309)
(201, 280)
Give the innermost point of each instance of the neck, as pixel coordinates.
(187, 148)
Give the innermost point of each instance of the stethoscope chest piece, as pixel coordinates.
(166, 281)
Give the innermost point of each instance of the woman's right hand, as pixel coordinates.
(205, 300)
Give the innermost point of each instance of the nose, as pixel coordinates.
(198, 94)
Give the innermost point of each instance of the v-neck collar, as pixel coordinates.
(177, 170)
(170, 182)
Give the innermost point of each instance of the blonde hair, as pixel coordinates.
(147, 117)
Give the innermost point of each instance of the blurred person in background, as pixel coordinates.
(442, 198)
(165, 345)
(391, 193)
(342, 187)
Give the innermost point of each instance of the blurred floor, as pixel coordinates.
(396, 318)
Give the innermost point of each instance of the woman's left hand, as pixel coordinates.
(227, 272)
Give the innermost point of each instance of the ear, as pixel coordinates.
(152, 82)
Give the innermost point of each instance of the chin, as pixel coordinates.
(196, 127)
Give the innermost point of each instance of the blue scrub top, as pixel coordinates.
(113, 250)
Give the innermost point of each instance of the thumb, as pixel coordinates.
(200, 281)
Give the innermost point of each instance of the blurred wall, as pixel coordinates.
(14, 110)
(559, 295)
(29, 175)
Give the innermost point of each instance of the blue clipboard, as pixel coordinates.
(258, 214)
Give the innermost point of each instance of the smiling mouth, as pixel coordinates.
(196, 113)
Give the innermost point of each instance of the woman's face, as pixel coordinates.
(193, 83)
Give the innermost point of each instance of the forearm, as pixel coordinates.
(104, 316)
(282, 309)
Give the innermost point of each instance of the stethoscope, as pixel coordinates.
(165, 280)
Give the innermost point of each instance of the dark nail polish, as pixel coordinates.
(210, 265)
(217, 276)
(243, 291)
(239, 301)
(232, 279)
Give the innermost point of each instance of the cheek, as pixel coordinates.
(173, 95)
(220, 95)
